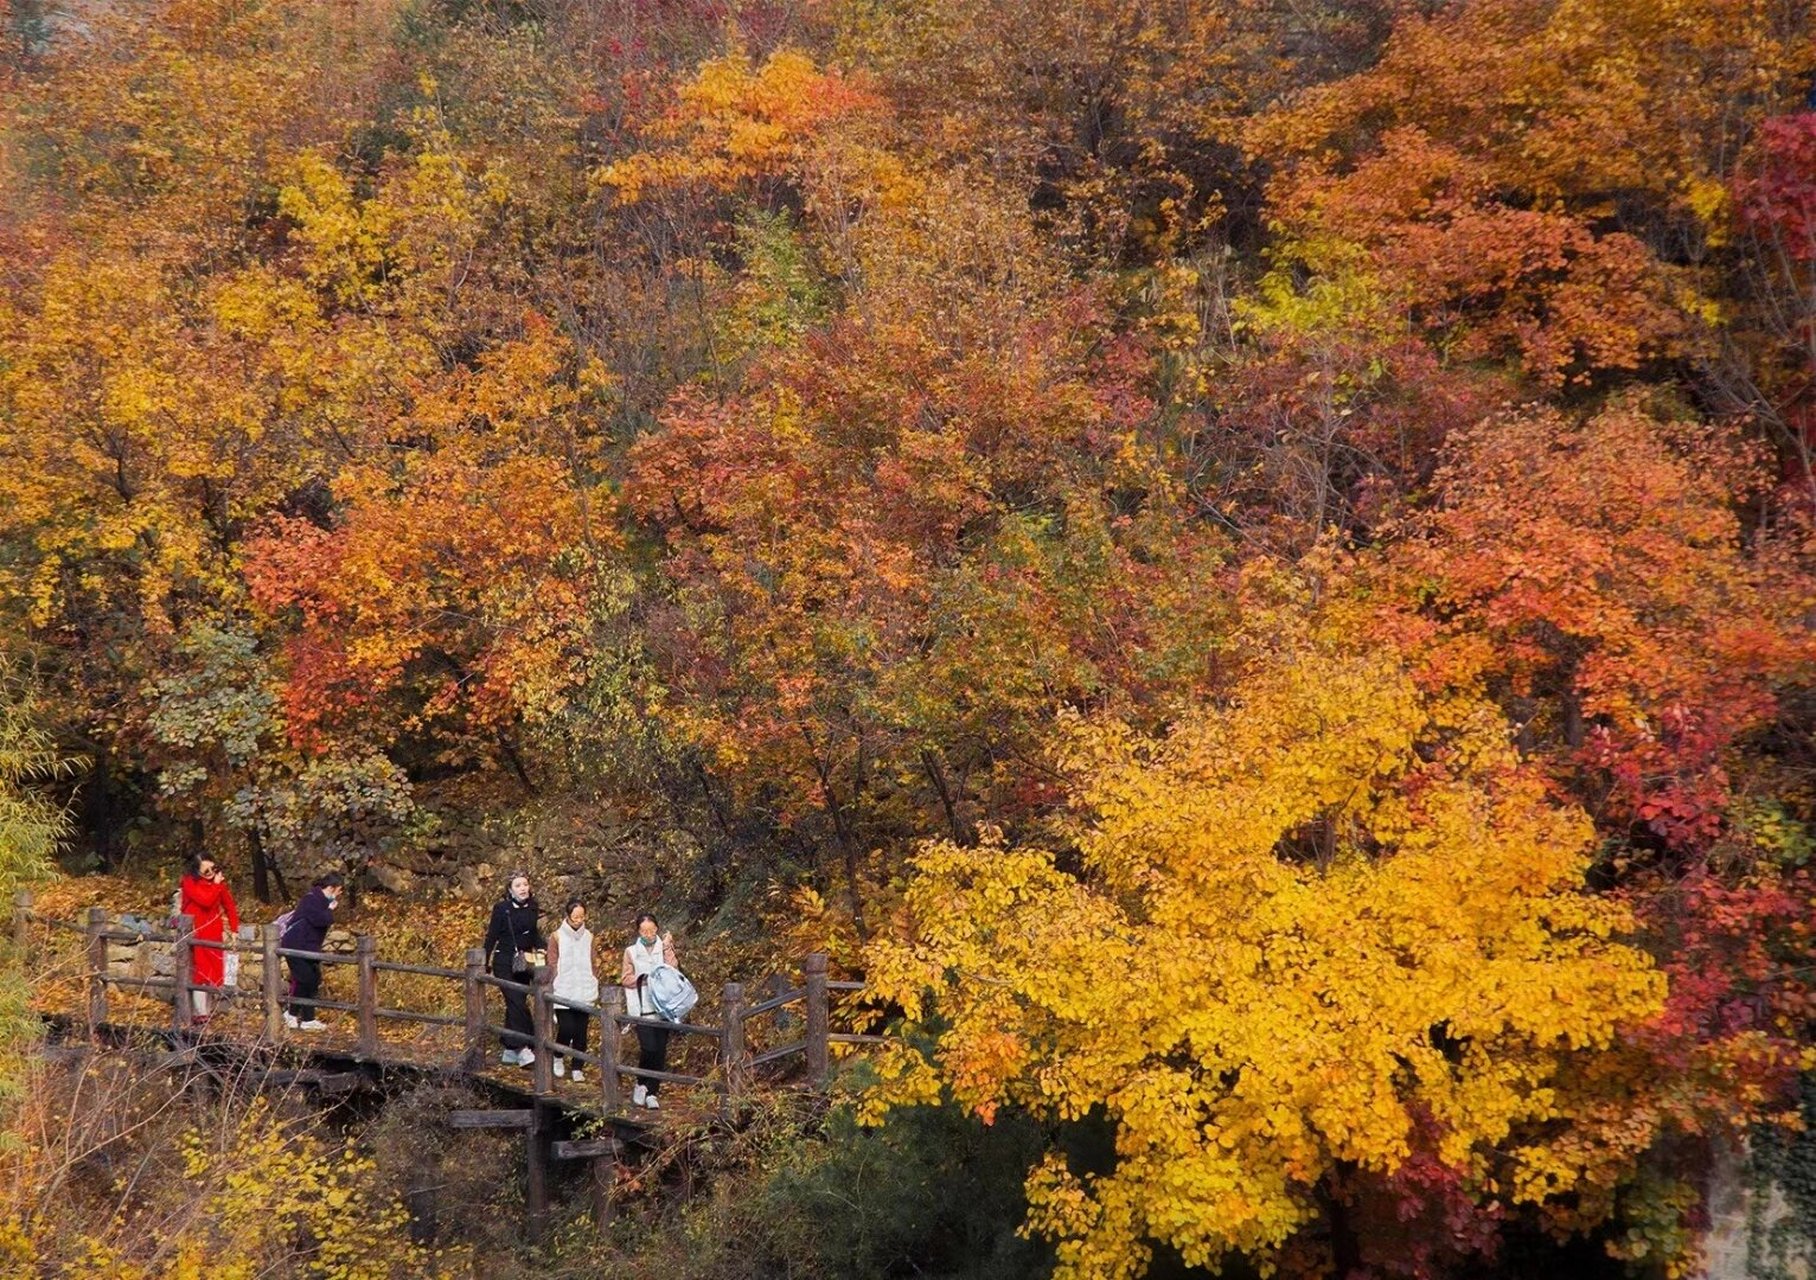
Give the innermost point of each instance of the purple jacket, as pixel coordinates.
(309, 922)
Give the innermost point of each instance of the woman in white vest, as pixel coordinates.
(571, 961)
(648, 949)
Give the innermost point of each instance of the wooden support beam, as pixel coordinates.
(423, 1202)
(326, 1081)
(585, 1148)
(176, 1058)
(525, 1119)
(605, 1177)
(536, 1187)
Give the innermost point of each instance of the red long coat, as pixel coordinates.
(212, 907)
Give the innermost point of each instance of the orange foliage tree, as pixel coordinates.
(1539, 185)
(1595, 578)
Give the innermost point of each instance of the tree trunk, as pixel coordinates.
(263, 873)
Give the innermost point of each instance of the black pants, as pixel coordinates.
(520, 1030)
(570, 1030)
(305, 983)
(652, 1053)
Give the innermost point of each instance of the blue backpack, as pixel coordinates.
(670, 991)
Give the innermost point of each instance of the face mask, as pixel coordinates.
(333, 903)
(648, 942)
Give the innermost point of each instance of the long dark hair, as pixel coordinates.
(638, 926)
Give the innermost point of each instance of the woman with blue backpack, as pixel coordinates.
(648, 951)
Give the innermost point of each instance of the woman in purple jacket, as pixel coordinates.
(307, 931)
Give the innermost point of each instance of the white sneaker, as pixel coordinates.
(579, 1076)
(560, 1068)
(525, 1057)
(291, 1022)
(314, 1024)
(639, 1095)
(653, 1103)
(509, 1058)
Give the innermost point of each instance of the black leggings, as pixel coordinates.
(520, 1030)
(305, 983)
(652, 1053)
(570, 1030)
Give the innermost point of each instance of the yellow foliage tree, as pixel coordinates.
(254, 1196)
(1314, 927)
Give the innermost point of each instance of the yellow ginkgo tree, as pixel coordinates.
(1317, 926)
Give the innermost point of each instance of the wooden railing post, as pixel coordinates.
(731, 1040)
(611, 1008)
(476, 1008)
(268, 984)
(182, 973)
(22, 926)
(365, 952)
(97, 970)
(542, 1070)
(242, 943)
(819, 1018)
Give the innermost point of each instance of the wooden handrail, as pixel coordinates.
(775, 1002)
(780, 1051)
(55, 923)
(420, 970)
(415, 1015)
(320, 957)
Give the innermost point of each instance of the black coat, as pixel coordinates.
(514, 927)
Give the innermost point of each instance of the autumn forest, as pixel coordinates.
(1248, 564)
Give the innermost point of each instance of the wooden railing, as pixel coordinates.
(734, 1060)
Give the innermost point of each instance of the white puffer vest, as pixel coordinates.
(574, 976)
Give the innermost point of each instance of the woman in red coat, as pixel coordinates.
(208, 901)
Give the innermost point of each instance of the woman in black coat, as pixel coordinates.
(514, 932)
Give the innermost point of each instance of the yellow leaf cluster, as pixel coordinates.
(277, 1199)
(1312, 921)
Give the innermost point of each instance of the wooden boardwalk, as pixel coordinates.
(130, 980)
